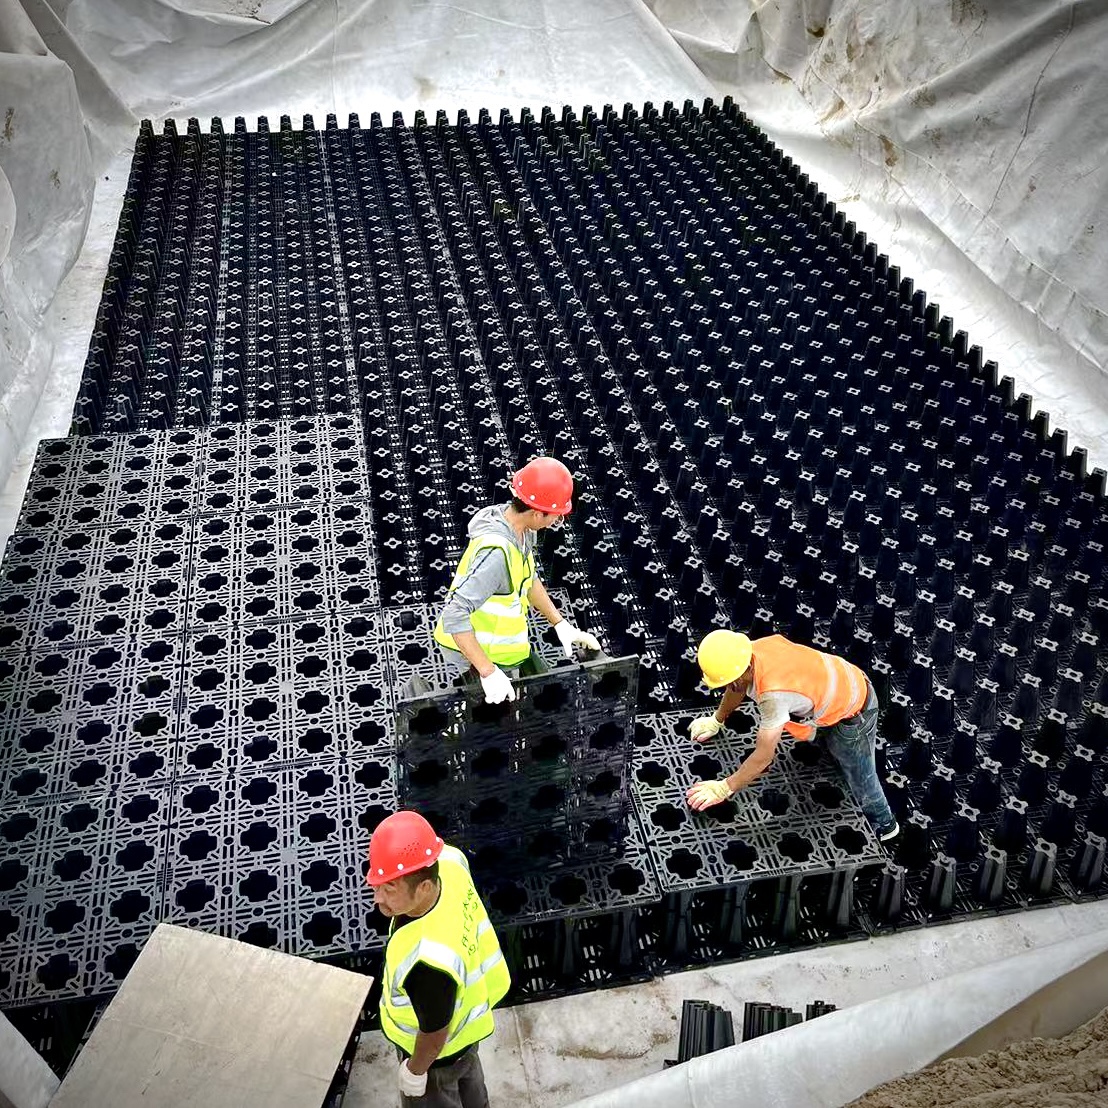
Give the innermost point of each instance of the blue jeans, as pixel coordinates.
(851, 742)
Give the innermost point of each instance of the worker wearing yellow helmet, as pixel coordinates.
(797, 690)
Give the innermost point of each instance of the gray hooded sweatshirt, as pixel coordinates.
(488, 572)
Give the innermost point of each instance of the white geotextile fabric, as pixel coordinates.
(965, 136)
(209, 57)
(46, 188)
(57, 119)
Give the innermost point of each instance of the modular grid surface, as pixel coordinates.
(771, 429)
(800, 819)
(203, 723)
(195, 698)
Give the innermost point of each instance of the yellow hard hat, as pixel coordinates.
(724, 657)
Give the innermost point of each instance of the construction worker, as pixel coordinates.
(797, 689)
(444, 970)
(483, 623)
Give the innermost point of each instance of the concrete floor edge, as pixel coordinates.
(550, 1053)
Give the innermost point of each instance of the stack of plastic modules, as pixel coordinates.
(761, 1019)
(705, 1028)
(537, 793)
(539, 782)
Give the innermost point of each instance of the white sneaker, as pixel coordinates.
(891, 833)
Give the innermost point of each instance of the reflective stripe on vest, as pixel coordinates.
(500, 624)
(457, 938)
(836, 688)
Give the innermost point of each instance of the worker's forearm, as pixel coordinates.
(539, 599)
(758, 760)
(466, 642)
(730, 701)
(428, 1046)
(752, 767)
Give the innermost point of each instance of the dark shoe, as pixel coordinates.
(890, 832)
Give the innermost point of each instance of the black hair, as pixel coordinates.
(519, 506)
(414, 880)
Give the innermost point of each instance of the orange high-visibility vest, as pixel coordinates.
(836, 688)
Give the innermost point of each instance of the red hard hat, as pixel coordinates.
(403, 843)
(546, 485)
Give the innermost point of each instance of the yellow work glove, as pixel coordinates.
(705, 794)
(704, 728)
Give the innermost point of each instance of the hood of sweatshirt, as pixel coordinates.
(491, 521)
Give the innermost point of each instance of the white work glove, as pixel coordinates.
(411, 1084)
(704, 728)
(570, 636)
(498, 686)
(705, 794)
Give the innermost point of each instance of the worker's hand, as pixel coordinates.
(705, 794)
(498, 686)
(570, 636)
(411, 1084)
(704, 728)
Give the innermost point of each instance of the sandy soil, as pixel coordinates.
(1042, 1073)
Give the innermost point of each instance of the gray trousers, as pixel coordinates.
(460, 1085)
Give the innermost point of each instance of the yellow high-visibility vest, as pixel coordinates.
(500, 624)
(456, 937)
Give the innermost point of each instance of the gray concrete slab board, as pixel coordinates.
(205, 1021)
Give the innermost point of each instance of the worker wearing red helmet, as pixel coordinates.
(444, 970)
(483, 623)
